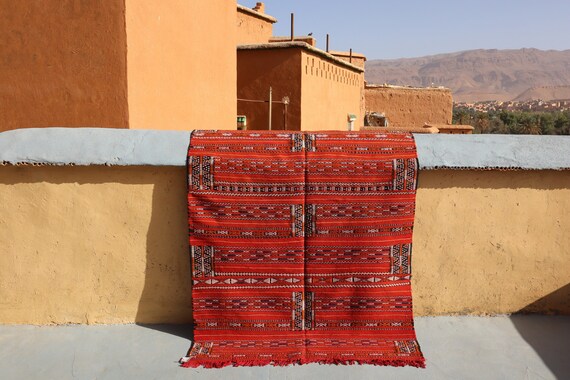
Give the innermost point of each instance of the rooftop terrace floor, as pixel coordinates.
(517, 347)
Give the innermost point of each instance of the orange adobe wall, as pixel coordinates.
(63, 63)
(253, 27)
(259, 69)
(118, 64)
(357, 58)
(322, 92)
(181, 64)
(410, 107)
(330, 92)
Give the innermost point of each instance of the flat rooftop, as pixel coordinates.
(254, 13)
(396, 87)
(516, 347)
(301, 45)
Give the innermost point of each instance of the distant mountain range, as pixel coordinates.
(477, 75)
(544, 93)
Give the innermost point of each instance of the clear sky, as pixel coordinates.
(412, 28)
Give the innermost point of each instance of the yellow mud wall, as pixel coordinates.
(109, 244)
(93, 245)
(492, 242)
(63, 63)
(409, 107)
(330, 93)
(181, 64)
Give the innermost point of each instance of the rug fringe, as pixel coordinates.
(418, 363)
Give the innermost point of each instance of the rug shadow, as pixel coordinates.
(165, 298)
(185, 331)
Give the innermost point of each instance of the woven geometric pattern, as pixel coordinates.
(301, 248)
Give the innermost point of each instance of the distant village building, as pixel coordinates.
(424, 129)
(535, 105)
(454, 129)
(410, 107)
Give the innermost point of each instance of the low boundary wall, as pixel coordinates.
(93, 226)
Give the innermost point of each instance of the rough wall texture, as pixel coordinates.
(63, 63)
(411, 107)
(181, 66)
(492, 242)
(252, 30)
(108, 245)
(330, 92)
(93, 245)
(257, 71)
(357, 59)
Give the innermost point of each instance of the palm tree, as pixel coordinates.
(530, 126)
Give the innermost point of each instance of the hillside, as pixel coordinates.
(545, 93)
(476, 75)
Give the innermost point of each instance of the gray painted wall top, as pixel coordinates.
(98, 146)
(93, 146)
(493, 151)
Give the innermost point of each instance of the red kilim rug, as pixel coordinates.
(301, 248)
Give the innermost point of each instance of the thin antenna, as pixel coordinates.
(292, 26)
(270, 106)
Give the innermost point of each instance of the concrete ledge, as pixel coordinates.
(444, 151)
(101, 146)
(93, 146)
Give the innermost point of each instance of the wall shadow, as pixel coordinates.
(548, 335)
(494, 179)
(427, 179)
(555, 303)
(82, 175)
(165, 302)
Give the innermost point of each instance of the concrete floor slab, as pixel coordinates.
(518, 347)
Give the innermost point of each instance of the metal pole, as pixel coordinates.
(284, 117)
(285, 102)
(292, 26)
(270, 105)
(350, 56)
(327, 42)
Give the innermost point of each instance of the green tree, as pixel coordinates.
(562, 123)
(515, 122)
(508, 118)
(546, 121)
(529, 124)
(461, 116)
(497, 125)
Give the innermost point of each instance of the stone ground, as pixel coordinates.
(517, 347)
